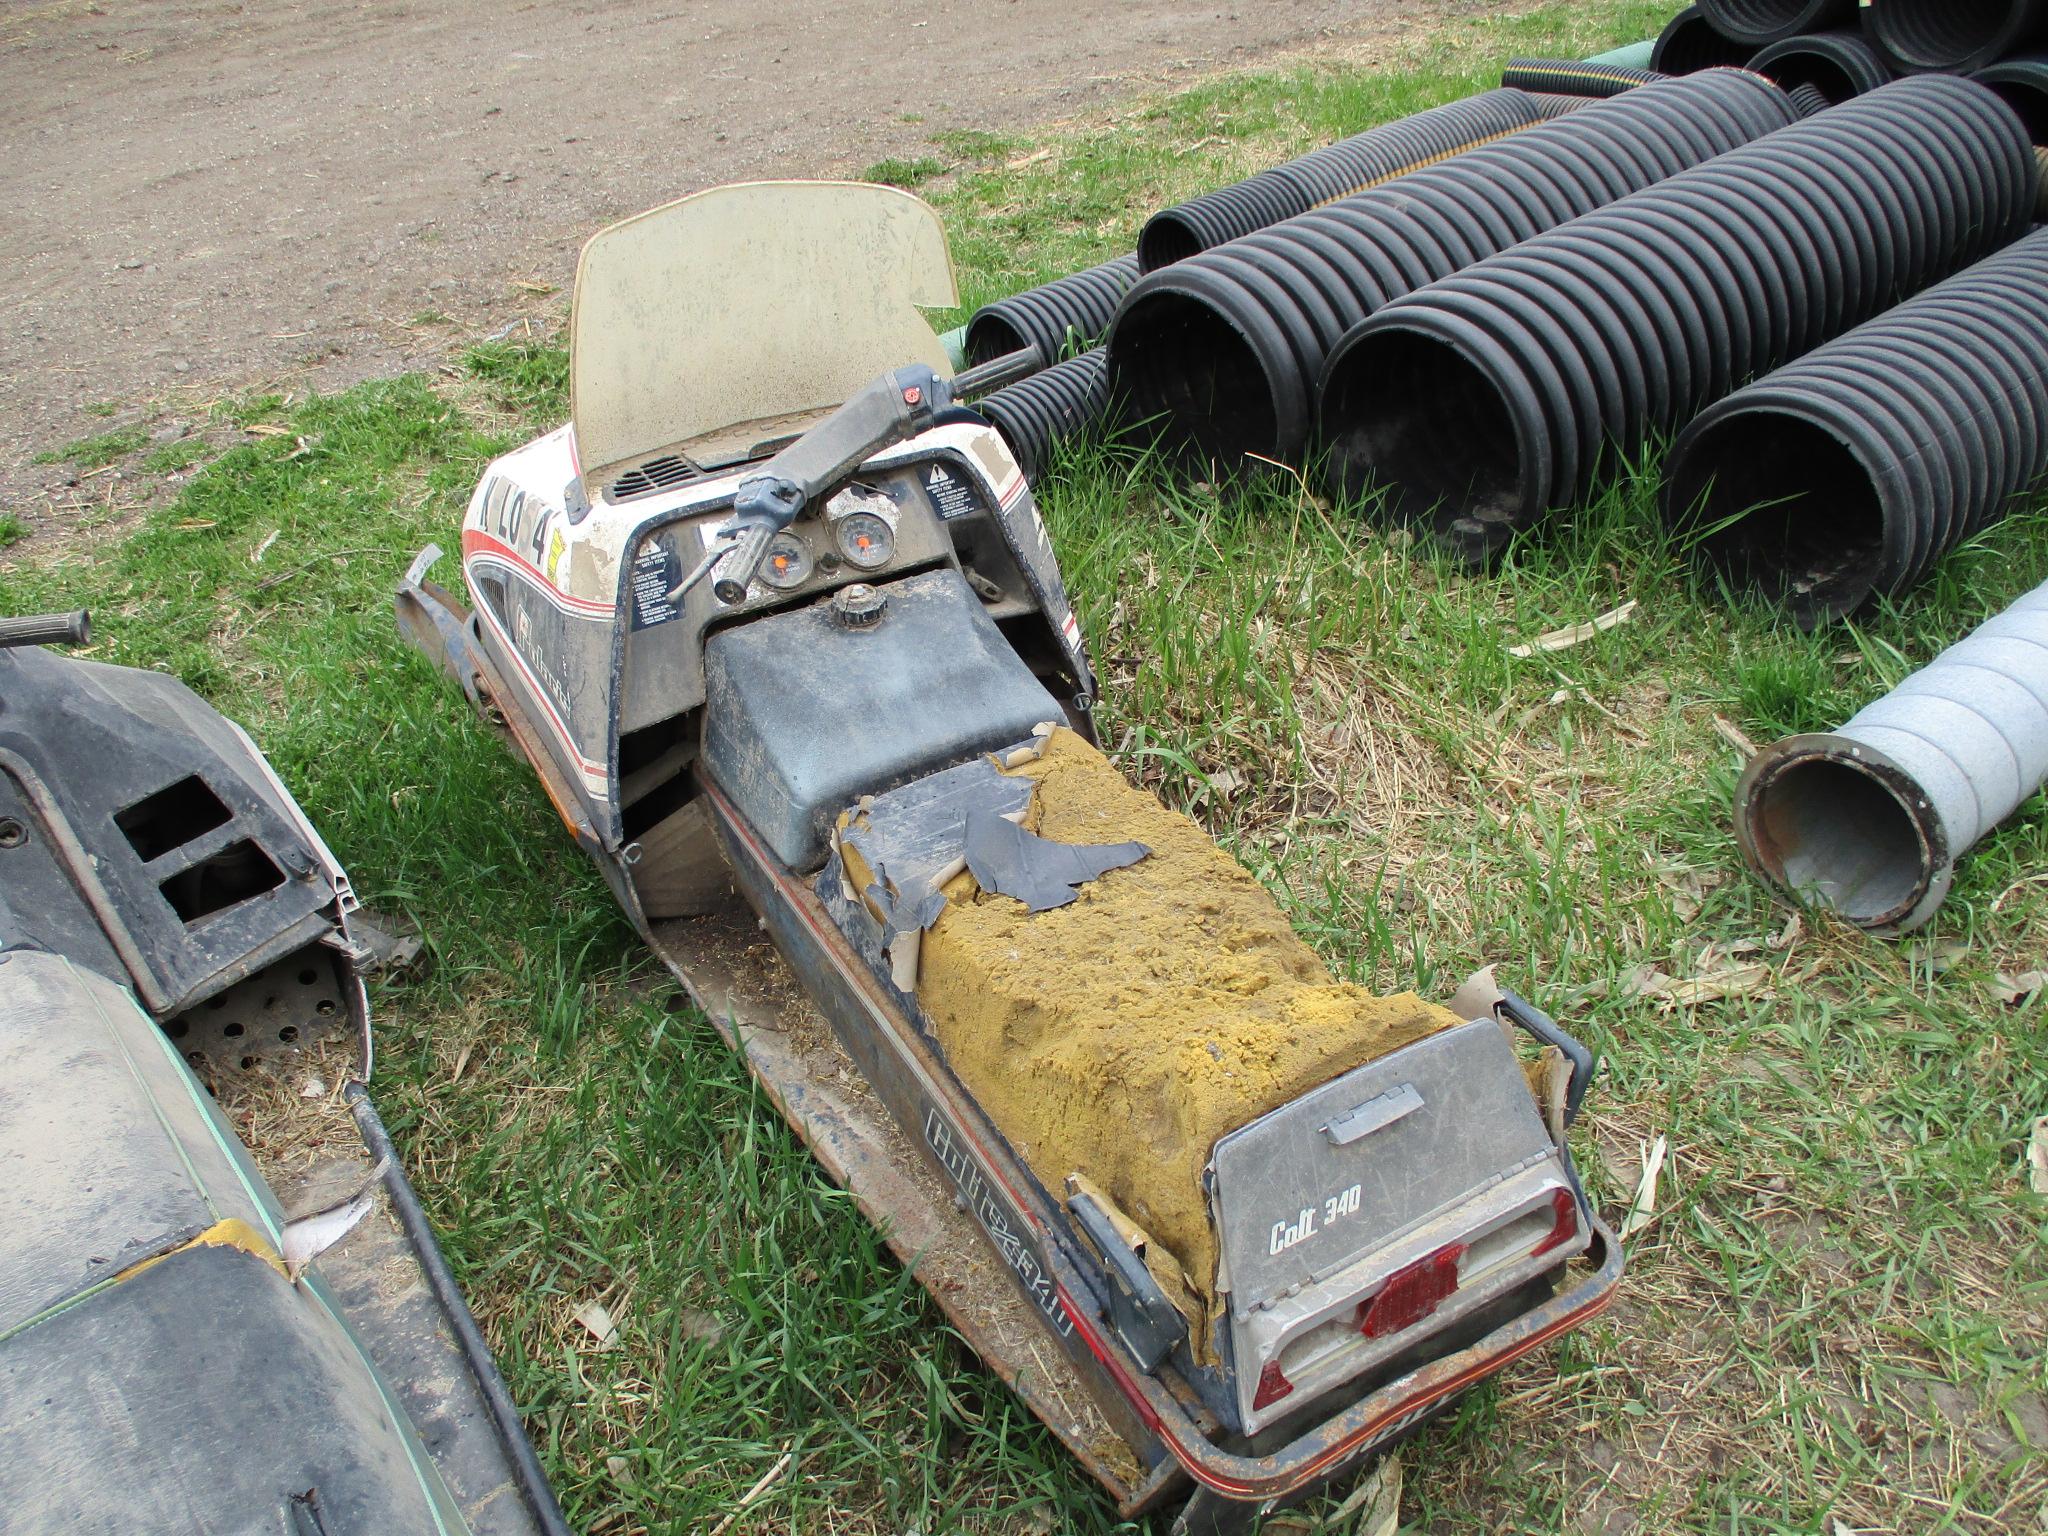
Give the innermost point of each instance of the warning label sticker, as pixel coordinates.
(954, 496)
(654, 575)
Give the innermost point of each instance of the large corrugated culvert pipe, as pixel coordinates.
(1574, 77)
(1757, 22)
(1496, 395)
(1689, 44)
(1849, 473)
(1837, 64)
(1049, 408)
(2023, 82)
(1055, 317)
(1871, 819)
(1216, 356)
(1549, 105)
(1960, 35)
(1336, 170)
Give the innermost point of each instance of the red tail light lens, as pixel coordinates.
(1564, 1223)
(1413, 1293)
(1272, 1386)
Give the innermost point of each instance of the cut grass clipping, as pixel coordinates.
(1836, 1313)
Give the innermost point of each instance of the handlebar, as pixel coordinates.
(889, 410)
(46, 629)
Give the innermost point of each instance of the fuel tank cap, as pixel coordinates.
(859, 606)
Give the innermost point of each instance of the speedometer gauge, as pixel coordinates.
(865, 540)
(787, 563)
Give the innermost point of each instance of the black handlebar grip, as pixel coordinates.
(736, 572)
(46, 629)
(986, 378)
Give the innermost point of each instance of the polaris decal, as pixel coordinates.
(979, 1191)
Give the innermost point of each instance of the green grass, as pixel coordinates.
(12, 529)
(905, 173)
(97, 451)
(173, 457)
(1837, 1314)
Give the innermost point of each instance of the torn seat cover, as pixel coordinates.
(1120, 1035)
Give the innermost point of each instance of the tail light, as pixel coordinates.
(1564, 1222)
(1272, 1386)
(1411, 1294)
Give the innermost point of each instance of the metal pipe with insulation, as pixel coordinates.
(1870, 820)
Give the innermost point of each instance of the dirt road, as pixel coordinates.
(209, 194)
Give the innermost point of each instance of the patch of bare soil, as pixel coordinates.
(210, 195)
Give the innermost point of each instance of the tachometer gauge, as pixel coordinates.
(866, 540)
(787, 563)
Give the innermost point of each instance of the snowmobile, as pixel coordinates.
(778, 625)
(174, 1352)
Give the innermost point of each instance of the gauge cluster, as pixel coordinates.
(876, 524)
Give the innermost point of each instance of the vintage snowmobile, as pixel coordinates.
(174, 1353)
(777, 623)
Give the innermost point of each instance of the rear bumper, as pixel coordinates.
(1342, 1441)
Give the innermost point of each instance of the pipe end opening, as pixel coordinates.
(1826, 826)
(1409, 416)
(1783, 507)
(990, 336)
(1196, 388)
(1940, 34)
(1166, 239)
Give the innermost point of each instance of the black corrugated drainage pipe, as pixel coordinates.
(1871, 819)
(1838, 64)
(1963, 35)
(1808, 100)
(1570, 77)
(1049, 408)
(1495, 395)
(1689, 44)
(2023, 82)
(1549, 105)
(1216, 357)
(1849, 473)
(1336, 170)
(1757, 22)
(1056, 317)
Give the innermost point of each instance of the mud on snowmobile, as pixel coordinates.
(778, 625)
